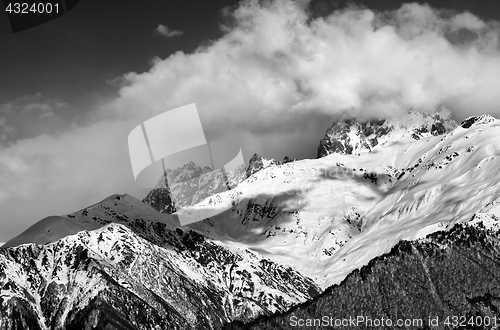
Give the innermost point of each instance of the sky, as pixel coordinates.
(273, 75)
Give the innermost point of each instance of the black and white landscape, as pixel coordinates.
(370, 189)
(346, 225)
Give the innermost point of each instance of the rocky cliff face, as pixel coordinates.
(160, 199)
(351, 137)
(258, 163)
(449, 274)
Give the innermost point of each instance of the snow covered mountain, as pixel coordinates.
(137, 273)
(290, 230)
(351, 137)
(203, 180)
(258, 163)
(329, 216)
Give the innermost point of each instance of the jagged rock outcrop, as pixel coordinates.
(351, 137)
(258, 163)
(477, 120)
(161, 200)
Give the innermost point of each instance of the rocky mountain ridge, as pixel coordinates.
(206, 182)
(147, 272)
(352, 137)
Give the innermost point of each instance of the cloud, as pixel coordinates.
(274, 80)
(47, 175)
(467, 21)
(275, 64)
(6, 131)
(164, 31)
(32, 115)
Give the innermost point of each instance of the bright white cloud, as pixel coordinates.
(274, 64)
(164, 31)
(276, 78)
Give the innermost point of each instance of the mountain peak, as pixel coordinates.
(257, 163)
(477, 120)
(352, 137)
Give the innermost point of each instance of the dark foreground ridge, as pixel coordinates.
(134, 273)
(455, 273)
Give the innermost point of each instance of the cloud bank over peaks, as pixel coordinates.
(275, 64)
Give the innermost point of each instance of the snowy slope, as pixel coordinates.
(329, 216)
(456, 177)
(450, 272)
(49, 229)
